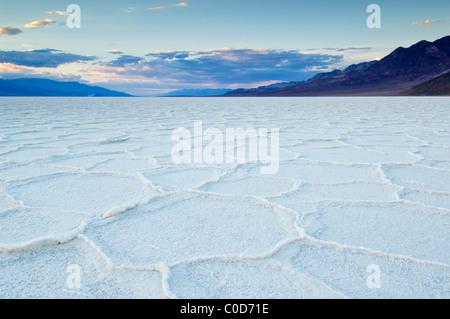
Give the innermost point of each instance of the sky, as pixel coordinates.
(154, 47)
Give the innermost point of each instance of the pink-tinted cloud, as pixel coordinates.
(39, 23)
(115, 51)
(181, 4)
(61, 13)
(427, 22)
(12, 68)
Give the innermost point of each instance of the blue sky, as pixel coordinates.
(150, 47)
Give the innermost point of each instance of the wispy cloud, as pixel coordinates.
(343, 49)
(181, 4)
(9, 31)
(130, 9)
(61, 13)
(427, 22)
(115, 51)
(46, 58)
(40, 23)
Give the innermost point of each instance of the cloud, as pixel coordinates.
(46, 58)
(115, 51)
(213, 68)
(343, 49)
(12, 71)
(349, 49)
(40, 23)
(61, 13)
(168, 55)
(124, 60)
(426, 23)
(11, 68)
(9, 31)
(181, 4)
(130, 9)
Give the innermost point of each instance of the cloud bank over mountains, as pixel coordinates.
(226, 67)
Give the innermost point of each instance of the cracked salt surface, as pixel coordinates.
(91, 182)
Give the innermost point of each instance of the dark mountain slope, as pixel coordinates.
(438, 86)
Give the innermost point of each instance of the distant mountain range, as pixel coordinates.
(45, 87)
(417, 70)
(263, 88)
(218, 92)
(195, 92)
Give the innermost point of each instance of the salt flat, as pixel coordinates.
(91, 182)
